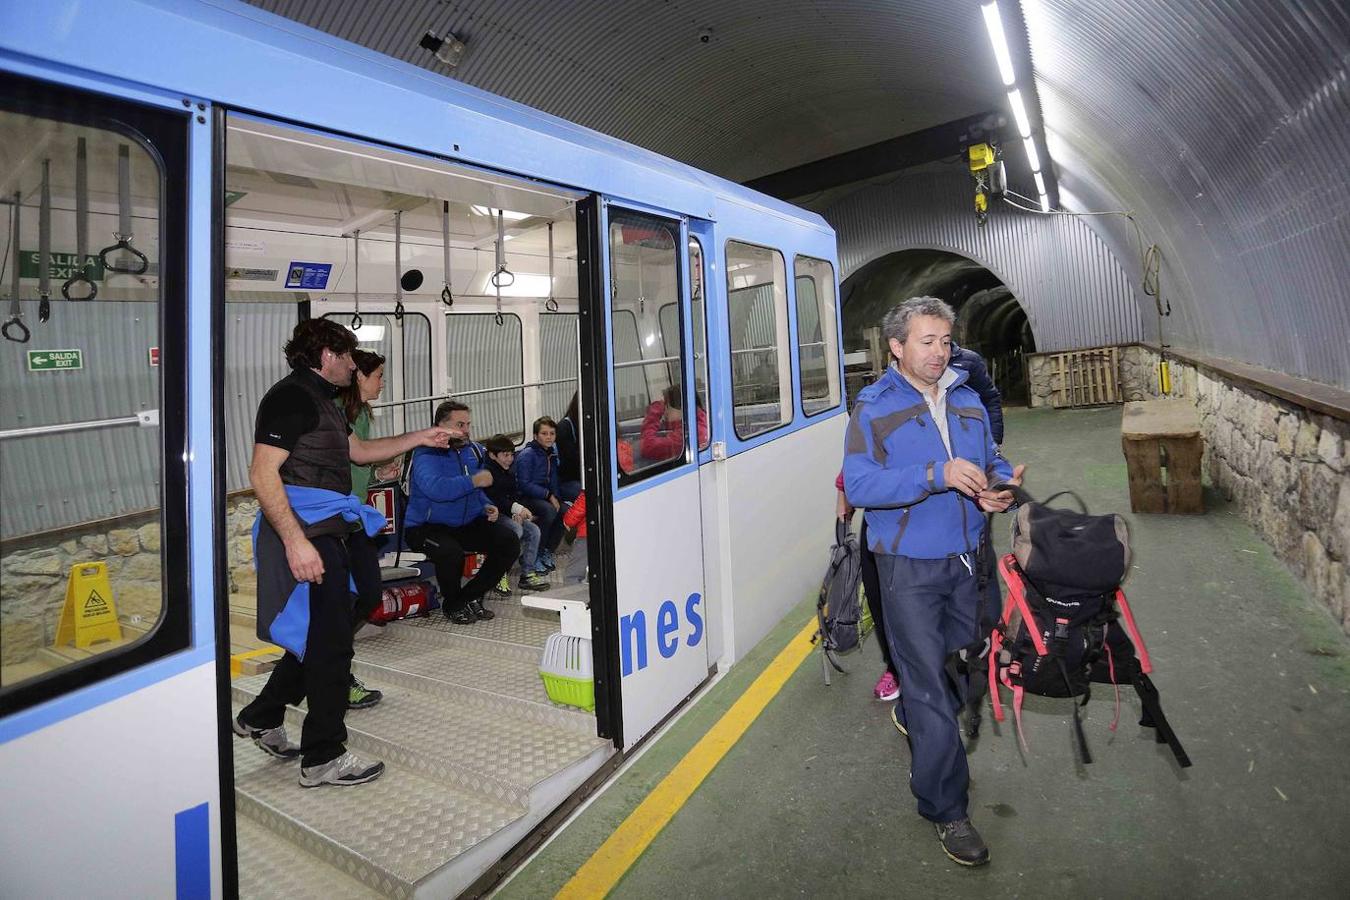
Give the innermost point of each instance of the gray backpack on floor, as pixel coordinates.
(838, 609)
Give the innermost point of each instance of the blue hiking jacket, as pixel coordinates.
(893, 459)
(283, 602)
(441, 489)
(536, 470)
(979, 381)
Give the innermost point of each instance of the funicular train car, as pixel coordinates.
(170, 214)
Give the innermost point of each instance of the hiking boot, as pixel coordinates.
(962, 842)
(504, 586)
(359, 696)
(271, 741)
(346, 769)
(895, 720)
(461, 616)
(480, 611)
(533, 581)
(887, 687)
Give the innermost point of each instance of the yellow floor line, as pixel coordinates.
(237, 658)
(614, 857)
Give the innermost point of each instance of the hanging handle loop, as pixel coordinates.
(447, 295)
(138, 264)
(45, 244)
(14, 329)
(398, 265)
(81, 274)
(503, 277)
(551, 304)
(356, 288)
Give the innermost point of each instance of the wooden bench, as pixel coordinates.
(1163, 449)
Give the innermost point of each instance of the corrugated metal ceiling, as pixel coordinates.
(1224, 125)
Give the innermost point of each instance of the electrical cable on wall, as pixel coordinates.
(1150, 264)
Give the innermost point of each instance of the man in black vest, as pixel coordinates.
(318, 572)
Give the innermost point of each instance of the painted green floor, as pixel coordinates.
(813, 801)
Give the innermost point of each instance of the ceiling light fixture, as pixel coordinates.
(994, 24)
(448, 49)
(1033, 158)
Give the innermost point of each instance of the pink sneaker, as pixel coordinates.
(887, 687)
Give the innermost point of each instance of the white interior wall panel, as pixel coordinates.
(1075, 291)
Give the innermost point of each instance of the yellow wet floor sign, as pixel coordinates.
(89, 615)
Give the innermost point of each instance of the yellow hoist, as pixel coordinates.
(987, 169)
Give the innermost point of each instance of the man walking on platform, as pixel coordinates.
(920, 458)
(318, 573)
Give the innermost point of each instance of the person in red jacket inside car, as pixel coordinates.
(663, 427)
(575, 517)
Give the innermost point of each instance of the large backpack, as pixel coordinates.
(1066, 623)
(838, 610)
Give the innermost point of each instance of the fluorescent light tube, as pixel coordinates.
(1019, 113)
(1040, 184)
(1033, 158)
(994, 23)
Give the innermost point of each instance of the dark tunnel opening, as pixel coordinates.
(989, 320)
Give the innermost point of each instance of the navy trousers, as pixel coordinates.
(931, 607)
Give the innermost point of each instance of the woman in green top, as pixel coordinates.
(367, 383)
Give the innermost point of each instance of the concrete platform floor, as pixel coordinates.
(813, 800)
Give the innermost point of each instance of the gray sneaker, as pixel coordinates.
(346, 769)
(962, 842)
(271, 741)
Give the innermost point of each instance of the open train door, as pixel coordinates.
(641, 471)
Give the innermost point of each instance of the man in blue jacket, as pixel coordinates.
(448, 514)
(919, 456)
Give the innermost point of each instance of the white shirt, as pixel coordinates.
(938, 407)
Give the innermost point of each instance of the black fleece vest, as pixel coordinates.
(322, 457)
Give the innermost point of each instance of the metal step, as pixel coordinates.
(477, 749)
(271, 866)
(477, 756)
(530, 629)
(388, 834)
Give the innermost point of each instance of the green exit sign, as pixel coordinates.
(55, 360)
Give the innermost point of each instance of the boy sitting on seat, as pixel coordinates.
(505, 495)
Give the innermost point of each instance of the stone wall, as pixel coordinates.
(33, 579)
(1286, 468)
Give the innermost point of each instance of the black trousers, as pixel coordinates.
(321, 680)
(445, 546)
(872, 591)
(549, 521)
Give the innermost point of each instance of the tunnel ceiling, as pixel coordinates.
(1224, 125)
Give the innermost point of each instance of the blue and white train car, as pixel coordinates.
(181, 182)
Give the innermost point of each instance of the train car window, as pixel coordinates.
(406, 349)
(648, 378)
(486, 362)
(416, 371)
(93, 571)
(817, 350)
(558, 362)
(761, 377)
(700, 320)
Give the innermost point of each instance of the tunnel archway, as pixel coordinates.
(989, 319)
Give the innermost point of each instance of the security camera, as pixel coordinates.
(448, 49)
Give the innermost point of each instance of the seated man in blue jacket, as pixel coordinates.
(448, 514)
(920, 457)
